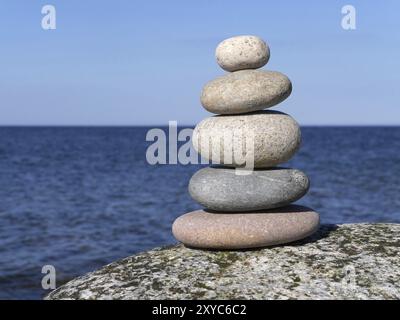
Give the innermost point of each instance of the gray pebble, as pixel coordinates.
(222, 189)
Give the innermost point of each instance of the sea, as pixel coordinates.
(77, 198)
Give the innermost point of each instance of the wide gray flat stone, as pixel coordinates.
(355, 261)
(222, 189)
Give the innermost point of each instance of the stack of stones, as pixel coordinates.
(246, 209)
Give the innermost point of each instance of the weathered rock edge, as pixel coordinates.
(353, 261)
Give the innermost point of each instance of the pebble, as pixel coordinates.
(242, 52)
(211, 230)
(222, 189)
(245, 91)
(260, 139)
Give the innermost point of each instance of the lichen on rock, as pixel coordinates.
(354, 261)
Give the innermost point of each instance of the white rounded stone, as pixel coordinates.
(242, 52)
(255, 140)
(245, 91)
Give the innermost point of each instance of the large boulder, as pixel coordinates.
(354, 261)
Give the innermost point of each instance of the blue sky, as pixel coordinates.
(145, 62)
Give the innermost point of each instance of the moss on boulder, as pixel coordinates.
(353, 261)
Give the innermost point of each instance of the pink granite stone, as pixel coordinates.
(212, 230)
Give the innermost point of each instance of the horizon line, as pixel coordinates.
(180, 125)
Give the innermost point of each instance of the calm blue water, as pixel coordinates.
(79, 198)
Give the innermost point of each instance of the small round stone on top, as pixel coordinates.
(242, 52)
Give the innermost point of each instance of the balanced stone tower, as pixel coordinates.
(246, 208)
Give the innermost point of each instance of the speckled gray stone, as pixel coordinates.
(245, 91)
(266, 138)
(242, 52)
(222, 189)
(355, 261)
(216, 230)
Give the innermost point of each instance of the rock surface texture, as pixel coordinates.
(355, 261)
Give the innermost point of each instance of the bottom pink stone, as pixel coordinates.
(213, 230)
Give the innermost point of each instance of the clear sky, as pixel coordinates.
(145, 62)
